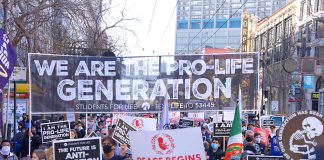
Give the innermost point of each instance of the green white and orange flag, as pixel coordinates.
(235, 141)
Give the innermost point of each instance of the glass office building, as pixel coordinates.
(221, 20)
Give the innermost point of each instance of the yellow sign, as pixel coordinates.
(245, 32)
(315, 95)
(22, 88)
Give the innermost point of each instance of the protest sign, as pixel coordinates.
(92, 134)
(139, 84)
(264, 135)
(78, 149)
(174, 117)
(261, 157)
(228, 115)
(222, 129)
(301, 135)
(55, 130)
(167, 144)
(184, 123)
(267, 122)
(274, 147)
(197, 115)
(121, 132)
(139, 123)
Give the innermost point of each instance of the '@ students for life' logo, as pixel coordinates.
(163, 144)
(137, 123)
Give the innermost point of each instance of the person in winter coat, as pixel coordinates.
(36, 141)
(5, 153)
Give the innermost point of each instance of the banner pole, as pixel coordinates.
(224, 145)
(86, 125)
(30, 125)
(15, 112)
(29, 109)
(159, 120)
(7, 112)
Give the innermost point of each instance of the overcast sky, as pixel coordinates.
(149, 39)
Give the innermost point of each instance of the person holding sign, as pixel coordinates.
(108, 147)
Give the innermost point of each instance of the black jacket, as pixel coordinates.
(36, 141)
(215, 155)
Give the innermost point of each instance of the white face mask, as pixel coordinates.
(5, 150)
(257, 140)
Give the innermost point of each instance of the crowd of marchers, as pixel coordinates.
(215, 146)
(18, 147)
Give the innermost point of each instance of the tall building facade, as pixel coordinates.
(290, 43)
(216, 23)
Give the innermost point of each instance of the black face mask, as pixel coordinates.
(107, 149)
(248, 139)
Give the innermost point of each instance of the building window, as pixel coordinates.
(269, 58)
(309, 31)
(220, 24)
(278, 32)
(320, 29)
(302, 8)
(287, 27)
(195, 25)
(319, 55)
(235, 23)
(257, 44)
(320, 5)
(299, 51)
(208, 24)
(271, 37)
(264, 41)
(278, 54)
(182, 25)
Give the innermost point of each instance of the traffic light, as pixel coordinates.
(265, 96)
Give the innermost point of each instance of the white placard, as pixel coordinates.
(198, 115)
(21, 105)
(167, 144)
(275, 106)
(174, 115)
(18, 74)
(139, 123)
(229, 115)
(116, 116)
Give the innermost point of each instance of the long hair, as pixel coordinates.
(40, 154)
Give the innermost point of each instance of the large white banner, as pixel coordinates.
(167, 144)
(139, 123)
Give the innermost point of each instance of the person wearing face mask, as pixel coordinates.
(260, 149)
(215, 151)
(108, 147)
(80, 131)
(5, 153)
(249, 140)
(248, 137)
